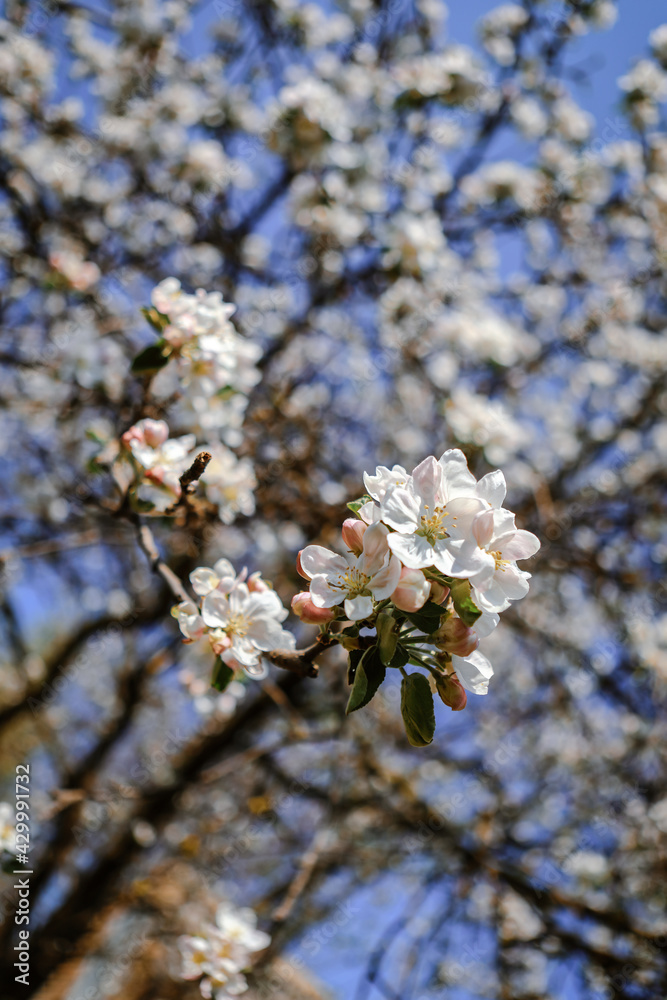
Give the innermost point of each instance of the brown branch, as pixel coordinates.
(148, 546)
(189, 477)
(196, 470)
(301, 661)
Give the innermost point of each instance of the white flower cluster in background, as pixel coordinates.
(149, 463)
(436, 537)
(211, 367)
(239, 615)
(205, 369)
(222, 951)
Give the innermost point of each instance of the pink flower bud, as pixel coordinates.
(299, 567)
(303, 608)
(256, 585)
(156, 432)
(353, 534)
(412, 591)
(152, 433)
(439, 592)
(456, 638)
(219, 643)
(452, 693)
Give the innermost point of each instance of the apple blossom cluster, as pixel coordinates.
(200, 358)
(218, 956)
(150, 464)
(239, 615)
(205, 369)
(431, 562)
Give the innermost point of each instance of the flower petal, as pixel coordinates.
(384, 583)
(414, 551)
(204, 580)
(375, 549)
(514, 582)
(315, 559)
(473, 671)
(401, 510)
(458, 480)
(215, 610)
(427, 483)
(492, 488)
(358, 608)
(323, 595)
(519, 544)
(384, 479)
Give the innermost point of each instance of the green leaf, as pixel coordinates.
(417, 709)
(156, 319)
(356, 505)
(222, 675)
(353, 662)
(427, 618)
(387, 630)
(401, 657)
(368, 676)
(151, 359)
(465, 607)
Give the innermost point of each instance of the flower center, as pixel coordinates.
(500, 562)
(237, 625)
(433, 525)
(353, 582)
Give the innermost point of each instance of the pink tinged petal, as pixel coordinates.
(383, 584)
(323, 595)
(414, 551)
(316, 560)
(401, 511)
(427, 482)
(358, 608)
(204, 580)
(353, 531)
(482, 527)
(215, 610)
(514, 582)
(518, 545)
(473, 671)
(374, 549)
(156, 432)
(503, 523)
(461, 514)
(492, 488)
(412, 591)
(458, 480)
(303, 608)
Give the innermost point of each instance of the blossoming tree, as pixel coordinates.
(403, 328)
